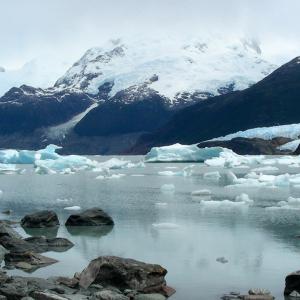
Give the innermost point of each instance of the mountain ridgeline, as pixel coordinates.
(275, 100)
(120, 100)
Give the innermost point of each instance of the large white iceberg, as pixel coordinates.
(182, 153)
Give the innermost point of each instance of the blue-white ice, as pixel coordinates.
(47, 161)
(180, 153)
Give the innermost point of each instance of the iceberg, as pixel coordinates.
(11, 156)
(182, 153)
(47, 161)
(291, 203)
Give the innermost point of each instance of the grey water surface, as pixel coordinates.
(260, 245)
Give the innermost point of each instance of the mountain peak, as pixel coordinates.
(205, 66)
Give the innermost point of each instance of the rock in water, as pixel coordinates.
(90, 217)
(124, 273)
(292, 283)
(108, 295)
(41, 219)
(54, 244)
(28, 260)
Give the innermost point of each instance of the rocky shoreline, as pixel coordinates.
(105, 277)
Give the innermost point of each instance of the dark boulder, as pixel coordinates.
(17, 245)
(124, 273)
(7, 230)
(28, 261)
(41, 219)
(90, 217)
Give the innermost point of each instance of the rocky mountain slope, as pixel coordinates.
(272, 101)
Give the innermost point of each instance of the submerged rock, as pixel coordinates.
(53, 244)
(90, 217)
(7, 230)
(124, 274)
(41, 219)
(109, 295)
(29, 261)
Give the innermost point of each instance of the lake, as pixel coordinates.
(259, 244)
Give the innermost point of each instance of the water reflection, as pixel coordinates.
(89, 231)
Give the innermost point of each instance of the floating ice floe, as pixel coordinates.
(253, 179)
(265, 169)
(165, 225)
(291, 203)
(181, 153)
(47, 161)
(63, 200)
(110, 176)
(241, 200)
(212, 176)
(186, 172)
(203, 192)
(75, 207)
(9, 169)
(116, 163)
(161, 204)
(168, 187)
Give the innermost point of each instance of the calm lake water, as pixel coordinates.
(260, 245)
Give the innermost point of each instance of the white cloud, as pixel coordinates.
(68, 27)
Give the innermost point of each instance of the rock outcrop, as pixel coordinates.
(41, 219)
(90, 217)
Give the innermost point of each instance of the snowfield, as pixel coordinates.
(206, 65)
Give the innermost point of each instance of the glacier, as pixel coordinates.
(224, 62)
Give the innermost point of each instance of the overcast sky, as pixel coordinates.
(68, 27)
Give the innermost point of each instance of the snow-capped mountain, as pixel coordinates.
(271, 102)
(182, 71)
(39, 72)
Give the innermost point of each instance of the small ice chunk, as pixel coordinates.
(215, 175)
(63, 200)
(291, 203)
(167, 173)
(165, 225)
(201, 193)
(168, 187)
(73, 208)
(265, 169)
(137, 175)
(244, 198)
(161, 204)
